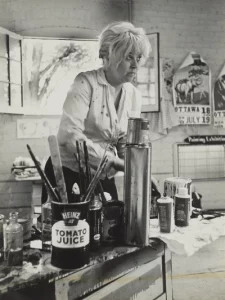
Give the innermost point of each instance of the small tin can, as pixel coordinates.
(95, 222)
(113, 222)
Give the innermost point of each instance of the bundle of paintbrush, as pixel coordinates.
(88, 184)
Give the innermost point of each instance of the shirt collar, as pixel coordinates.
(101, 77)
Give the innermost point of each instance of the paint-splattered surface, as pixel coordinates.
(14, 278)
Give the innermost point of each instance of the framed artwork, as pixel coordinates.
(148, 77)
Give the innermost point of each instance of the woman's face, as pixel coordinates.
(126, 70)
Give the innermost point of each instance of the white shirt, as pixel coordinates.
(89, 114)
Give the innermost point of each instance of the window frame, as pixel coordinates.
(11, 108)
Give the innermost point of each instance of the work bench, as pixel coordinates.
(122, 272)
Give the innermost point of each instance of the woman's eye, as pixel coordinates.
(129, 57)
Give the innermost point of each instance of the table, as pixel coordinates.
(113, 273)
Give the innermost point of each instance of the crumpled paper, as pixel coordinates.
(188, 240)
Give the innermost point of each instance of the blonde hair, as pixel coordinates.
(119, 39)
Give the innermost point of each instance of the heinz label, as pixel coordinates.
(70, 236)
(71, 216)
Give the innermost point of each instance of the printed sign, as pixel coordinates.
(70, 236)
(206, 139)
(219, 100)
(192, 91)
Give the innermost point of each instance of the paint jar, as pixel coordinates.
(166, 214)
(70, 235)
(182, 207)
(172, 184)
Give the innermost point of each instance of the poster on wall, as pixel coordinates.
(192, 91)
(219, 100)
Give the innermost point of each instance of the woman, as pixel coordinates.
(99, 104)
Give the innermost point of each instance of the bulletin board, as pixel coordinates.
(199, 161)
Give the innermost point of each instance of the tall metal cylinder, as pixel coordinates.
(137, 194)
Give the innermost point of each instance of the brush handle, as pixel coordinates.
(95, 179)
(48, 185)
(57, 167)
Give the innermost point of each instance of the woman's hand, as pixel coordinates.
(118, 164)
(114, 164)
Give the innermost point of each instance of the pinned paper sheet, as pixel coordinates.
(219, 100)
(192, 91)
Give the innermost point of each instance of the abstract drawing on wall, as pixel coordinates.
(219, 100)
(36, 128)
(50, 67)
(192, 91)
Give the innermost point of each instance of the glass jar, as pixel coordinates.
(13, 241)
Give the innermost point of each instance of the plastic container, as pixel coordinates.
(182, 207)
(166, 214)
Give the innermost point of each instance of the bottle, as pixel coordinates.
(95, 223)
(46, 227)
(182, 207)
(1, 237)
(13, 241)
(166, 214)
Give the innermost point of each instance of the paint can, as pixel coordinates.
(182, 207)
(166, 214)
(70, 235)
(172, 184)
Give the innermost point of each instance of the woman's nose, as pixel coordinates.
(134, 64)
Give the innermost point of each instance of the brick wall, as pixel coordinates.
(184, 26)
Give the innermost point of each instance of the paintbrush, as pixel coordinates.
(95, 179)
(48, 185)
(57, 167)
(79, 166)
(86, 157)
